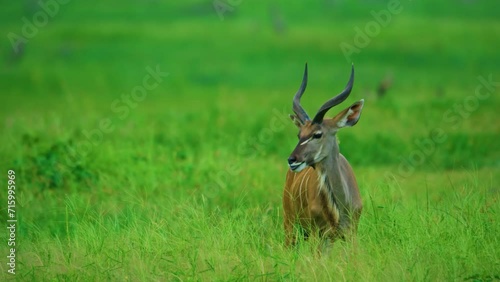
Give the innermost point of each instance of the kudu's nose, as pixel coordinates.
(292, 159)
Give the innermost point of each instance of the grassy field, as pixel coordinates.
(184, 183)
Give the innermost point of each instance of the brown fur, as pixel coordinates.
(332, 205)
(321, 193)
(305, 204)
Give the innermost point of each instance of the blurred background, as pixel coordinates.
(226, 65)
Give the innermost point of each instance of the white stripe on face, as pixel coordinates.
(305, 142)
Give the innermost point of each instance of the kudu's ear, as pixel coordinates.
(296, 120)
(347, 117)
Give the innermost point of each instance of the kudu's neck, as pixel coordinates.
(330, 164)
(329, 172)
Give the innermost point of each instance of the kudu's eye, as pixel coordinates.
(317, 135)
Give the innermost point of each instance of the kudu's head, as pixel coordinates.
(317, 136)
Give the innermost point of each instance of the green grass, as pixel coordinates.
(188, 185)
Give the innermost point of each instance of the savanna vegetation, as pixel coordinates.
(149, 139)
